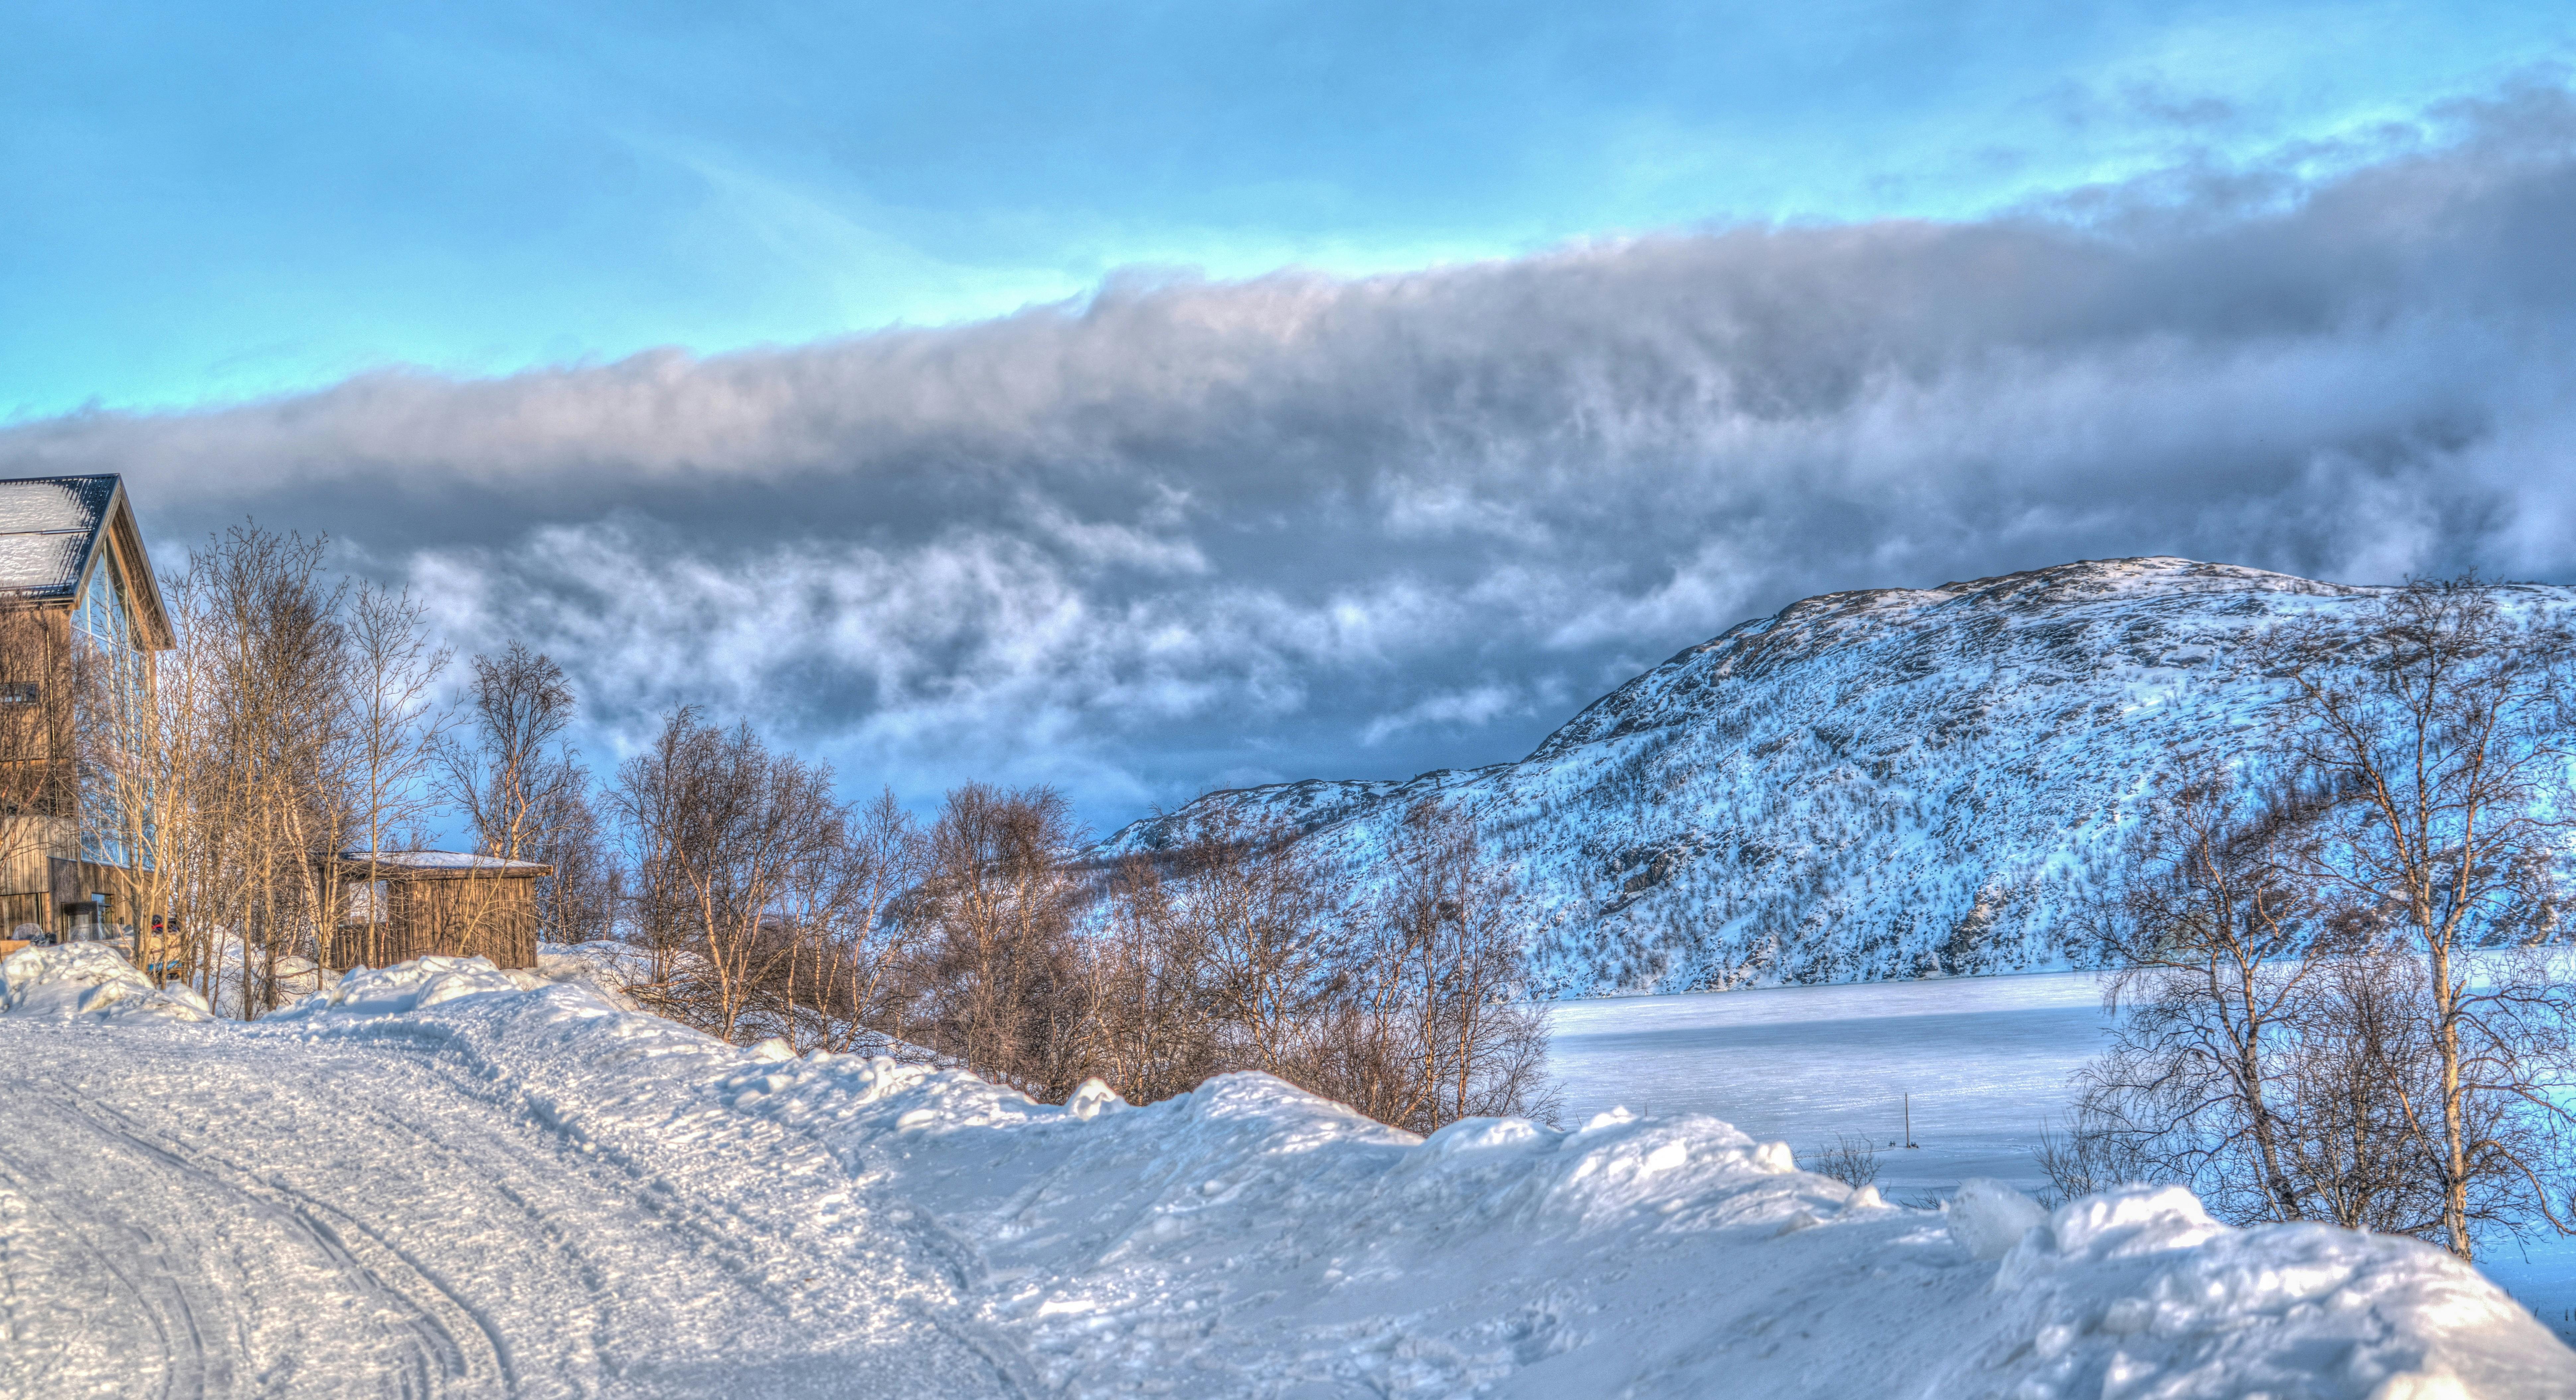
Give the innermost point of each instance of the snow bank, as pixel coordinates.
(605, 966)
(292, 976)
(89, 979)
(411, 986)
(1988, 1218)
(1251, 1239)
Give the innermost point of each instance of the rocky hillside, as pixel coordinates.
(1890, 783)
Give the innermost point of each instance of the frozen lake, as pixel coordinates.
(1985, 1059)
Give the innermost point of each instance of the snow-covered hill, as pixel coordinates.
(437, 1179)
(1891, 783)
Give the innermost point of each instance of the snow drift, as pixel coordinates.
(1884, 784)
(1249, 1239)
(89, 979)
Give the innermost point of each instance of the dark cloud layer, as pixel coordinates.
(1187, 533)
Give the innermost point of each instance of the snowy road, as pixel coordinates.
(385, 1216)
(441, 1180)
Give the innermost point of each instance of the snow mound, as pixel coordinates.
(601, 970)
(2138, 1291)
(410, 986)
(1988, 1218)
(89, 979)
(606, 967)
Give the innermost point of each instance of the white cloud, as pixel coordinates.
(1179, 531)
(1476, 705)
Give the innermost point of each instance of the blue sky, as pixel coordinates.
(1146, 400)
(210, 202)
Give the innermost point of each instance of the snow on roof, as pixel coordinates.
(47, 527)
(446, 860)
(38, 563)
(49, 504)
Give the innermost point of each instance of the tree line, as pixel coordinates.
(2336, 988)
(301, 716)
(983, 938)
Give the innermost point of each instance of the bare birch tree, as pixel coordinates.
(279, 729)
(850, 955)
(1001, 981)
(2336, 1004)
(526, 795)
(2250, 1055)
(393, 730)
(1157, 1027)
(723, 829)
(2445, 752)
(2214, 982)
(506, 782)
(1266, 925)
(1430, 1022)
(579, 901)
(154, 792)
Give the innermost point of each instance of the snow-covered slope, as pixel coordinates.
(433, 1181)
(1884, 784)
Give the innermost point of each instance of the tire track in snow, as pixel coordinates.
(135, 1257)
(303, 1214)
(436, 1354)
(425, 1351)
(724, 1229)
(740, 1232)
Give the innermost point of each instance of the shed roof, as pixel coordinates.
(429, 865)
(51, 528)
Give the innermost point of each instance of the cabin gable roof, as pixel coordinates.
(58, 531)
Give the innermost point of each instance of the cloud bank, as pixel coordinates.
(1184, 534)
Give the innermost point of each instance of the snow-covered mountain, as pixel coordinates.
(1890, 783)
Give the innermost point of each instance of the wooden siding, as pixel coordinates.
(17, 909)
(32, 850)
(40, 846)
(29, 845)
(489, 916)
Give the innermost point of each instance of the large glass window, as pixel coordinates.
(103, 618)
(102, 612)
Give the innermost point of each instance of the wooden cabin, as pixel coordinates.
(80, 620)
(401, 905)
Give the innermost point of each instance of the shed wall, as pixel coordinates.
(493, 918)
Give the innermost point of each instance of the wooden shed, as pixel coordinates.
(402, 905)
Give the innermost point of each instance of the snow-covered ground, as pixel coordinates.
(437, 1180)
(1985, 1059)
